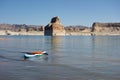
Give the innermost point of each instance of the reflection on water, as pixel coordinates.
(94, 53)
(54, 45)
(43, 59)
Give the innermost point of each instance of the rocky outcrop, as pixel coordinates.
(106, 28)
(54, 28)
(21, 27)
(77, 28)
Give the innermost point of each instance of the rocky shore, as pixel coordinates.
(21, 33)
(21, 29)
(96, 29)
(41, 33)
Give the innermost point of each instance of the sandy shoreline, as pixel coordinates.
(67, 33)
(21, 33)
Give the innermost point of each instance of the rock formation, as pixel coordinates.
(77, 28)
(106, 28)
(21, 27)
(54, 28)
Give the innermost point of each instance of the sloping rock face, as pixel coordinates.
(54, 28)
(106, 28)
(21, 27)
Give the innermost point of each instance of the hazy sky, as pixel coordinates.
(71, 12)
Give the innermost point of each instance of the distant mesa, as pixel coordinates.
(106, 28)
(54, 28)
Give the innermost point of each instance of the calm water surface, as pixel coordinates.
(99, 54)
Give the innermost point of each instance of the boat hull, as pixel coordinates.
(31, 55)
(34, 54)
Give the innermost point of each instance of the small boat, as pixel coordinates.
(34, 54)
(39, 52)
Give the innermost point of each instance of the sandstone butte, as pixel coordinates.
(54, 28)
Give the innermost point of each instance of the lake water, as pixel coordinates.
(95, 54)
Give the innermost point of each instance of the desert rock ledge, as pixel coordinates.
(106, 28)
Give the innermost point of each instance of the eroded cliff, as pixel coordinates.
(106, 28)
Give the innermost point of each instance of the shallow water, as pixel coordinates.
(98, 55)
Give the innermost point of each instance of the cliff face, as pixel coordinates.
(106, 28)
(77, 28)
(20, 27)
(54, 28)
